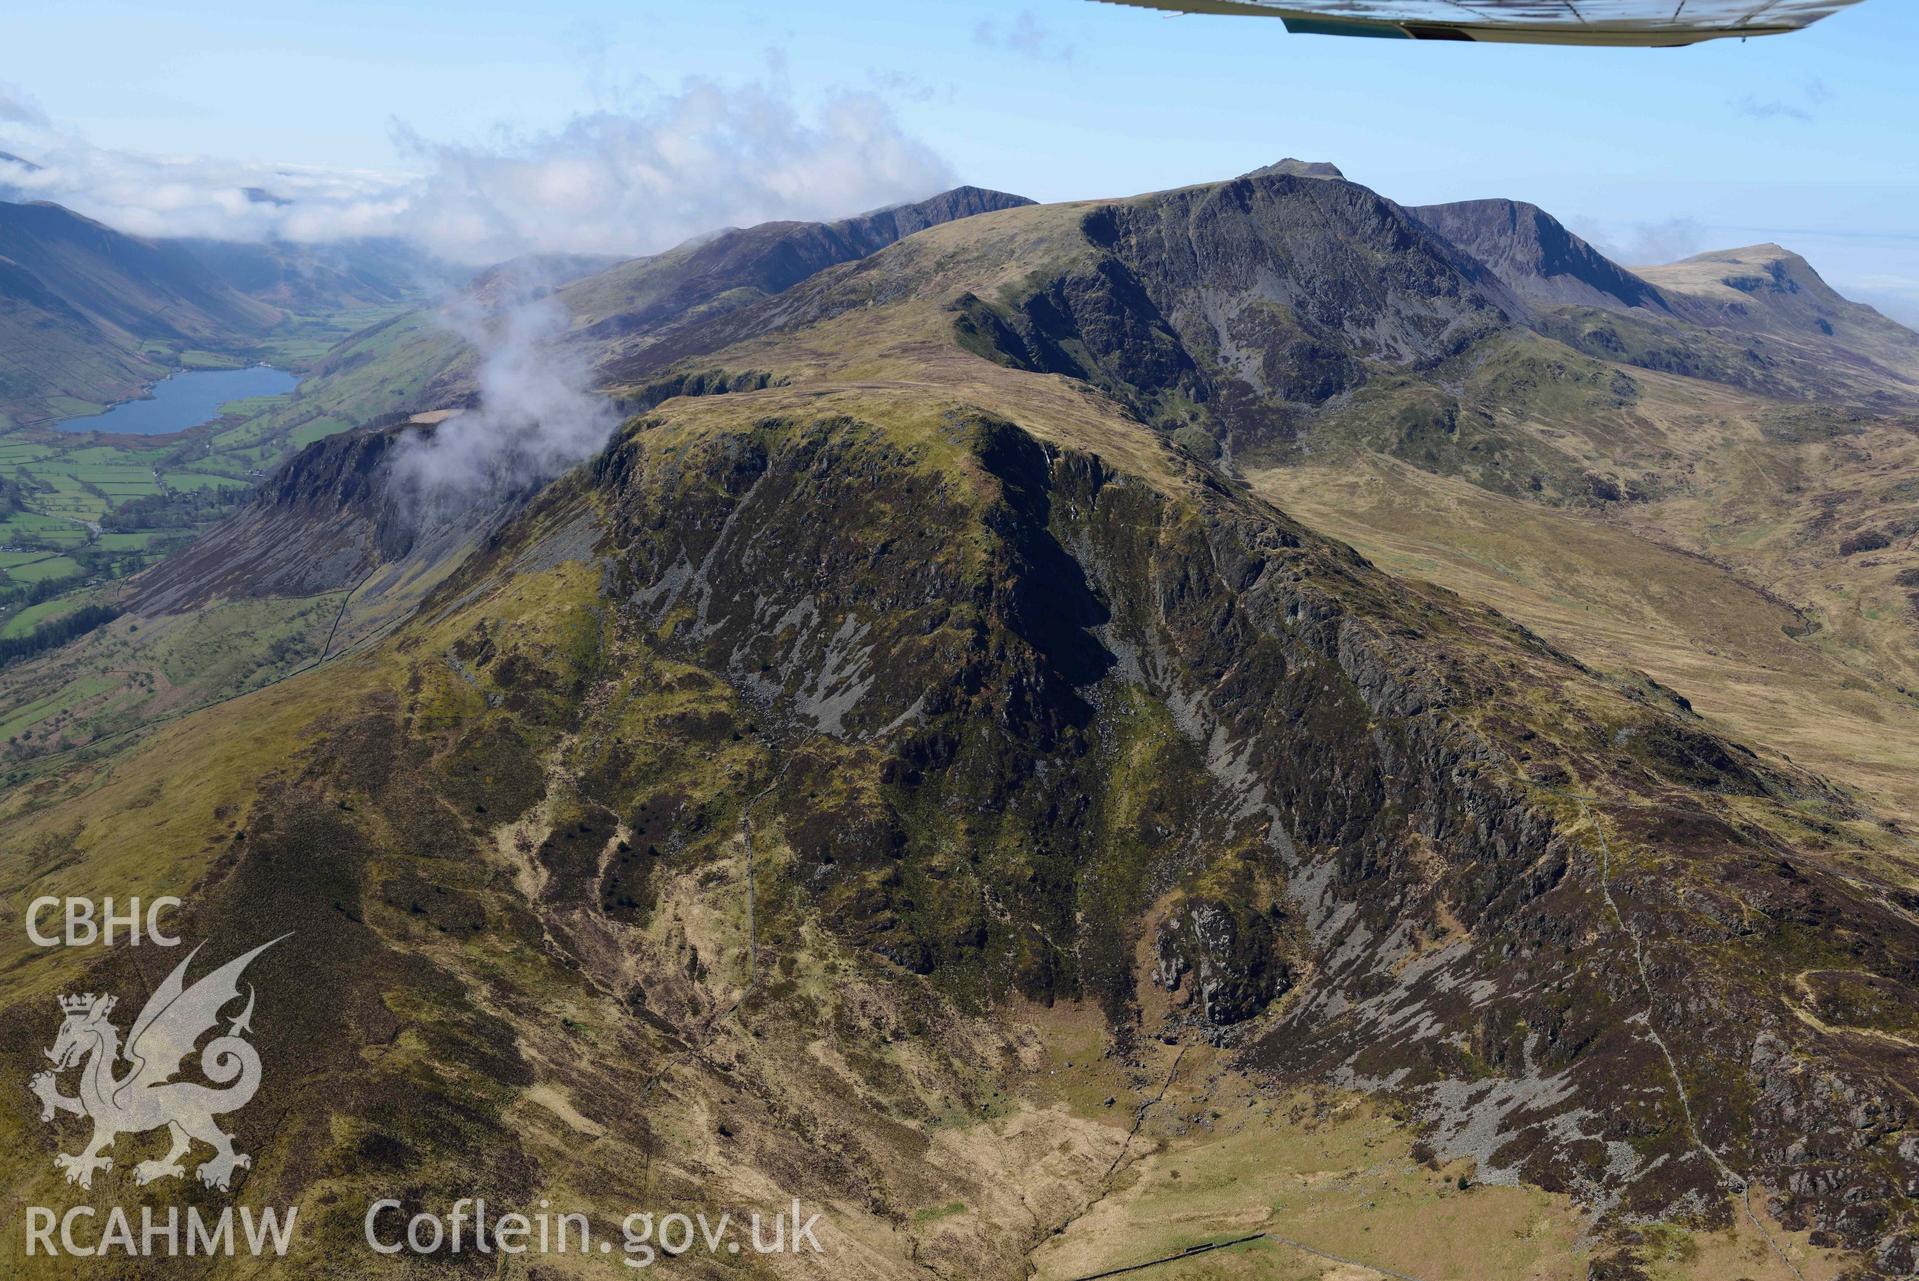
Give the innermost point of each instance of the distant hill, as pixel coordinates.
(49, 350)
(90, 315)
(80, 303)
(127, 284)
(1537, 257)
(621, 311)
(368, 272)
(1769, 291)
(1758, 318)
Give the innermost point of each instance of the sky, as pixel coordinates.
(484, 128)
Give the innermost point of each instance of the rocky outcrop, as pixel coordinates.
(1221, 957)
(316, 525)
(1364, 885)
(630, 308)
(1537, 257)
(327, 520)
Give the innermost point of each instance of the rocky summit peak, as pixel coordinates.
(969, 684)
(1292, 168)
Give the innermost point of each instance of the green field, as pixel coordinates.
(183, 481)
(37, 530)
(77, 506)
(318, 429)
(43, 567)
(208, 360)
(23, 623)
(137, 541)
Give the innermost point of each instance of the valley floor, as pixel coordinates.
(1620, 597)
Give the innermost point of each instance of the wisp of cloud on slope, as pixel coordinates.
(535, 416)
(607, 182)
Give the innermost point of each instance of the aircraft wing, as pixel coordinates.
(1587, 22)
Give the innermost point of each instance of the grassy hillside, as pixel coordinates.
(91, 511)
(951, 777)
(1751, 553)
(87, 510)
(90, 317)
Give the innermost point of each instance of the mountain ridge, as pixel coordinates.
(933, 598)
(127, 306)
(1537, 256)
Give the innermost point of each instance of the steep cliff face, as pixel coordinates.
(1363, 854)
(728, 811)
(318, 524)
(631, 307)
(1537, 257)
(1240, 306)
(336, 516)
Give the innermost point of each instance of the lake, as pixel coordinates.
(185, 400)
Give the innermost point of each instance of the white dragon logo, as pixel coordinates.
(146, 1098)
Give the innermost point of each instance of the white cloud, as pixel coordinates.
(18, 109)
(1027, 36)
(535, 419)
(201, 196)
(1901, 302)
(708, 157)
(1810, 95)
(1647, 243)
(630, 181)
